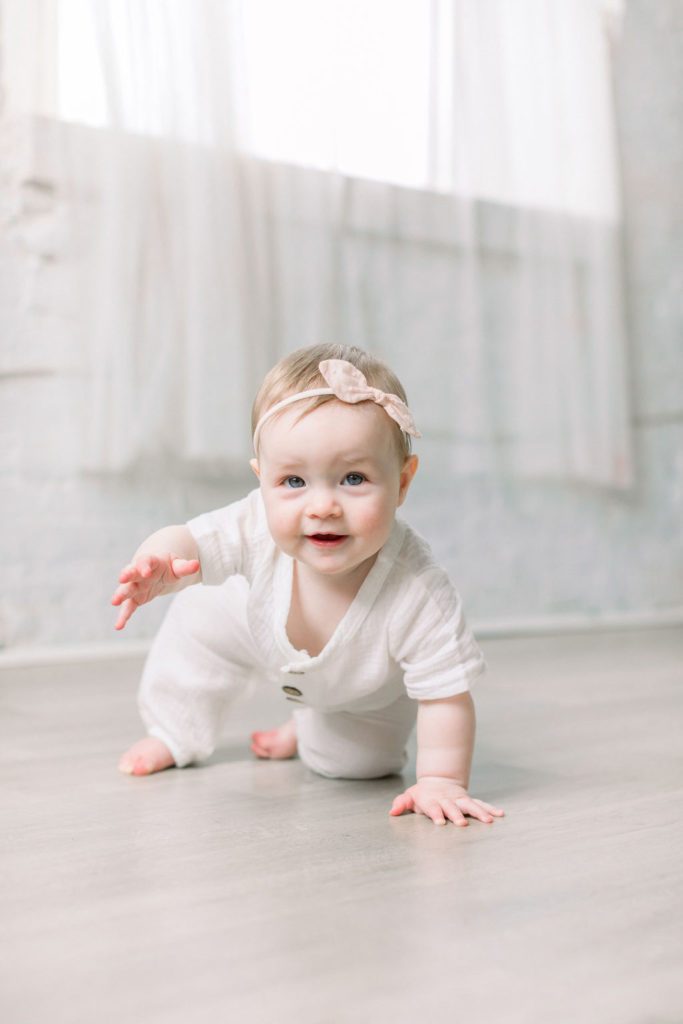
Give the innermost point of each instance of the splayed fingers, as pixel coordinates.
(148, 577)
(446, 802)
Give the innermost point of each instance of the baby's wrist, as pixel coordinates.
(441, 778)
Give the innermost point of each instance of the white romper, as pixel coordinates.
(404, 638)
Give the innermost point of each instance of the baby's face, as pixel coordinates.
(331, 483)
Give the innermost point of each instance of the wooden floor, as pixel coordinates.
(258, 892)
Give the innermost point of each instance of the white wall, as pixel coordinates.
(517, 551)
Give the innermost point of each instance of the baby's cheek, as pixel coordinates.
(279, 523)
(374, 521)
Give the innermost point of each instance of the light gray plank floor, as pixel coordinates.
(258, 892)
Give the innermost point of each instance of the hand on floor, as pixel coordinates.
(441, 799)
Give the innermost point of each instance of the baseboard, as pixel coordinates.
(59, 654)
(546, 625)
(542, 625)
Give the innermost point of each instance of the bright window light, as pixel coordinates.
(340, 85)
(80, 80)
(321, 83)
(506, 102)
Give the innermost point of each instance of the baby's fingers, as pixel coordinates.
(496, 811)
(477, 809)
(147, 565)
(453, 812)
(142, 569)
(121, 593)
(184, 567)
(127, 609)
(434, 811)
(402, 803)
(127, 573)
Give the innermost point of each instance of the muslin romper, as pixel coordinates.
(403, 639)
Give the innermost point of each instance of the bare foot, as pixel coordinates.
(277, 743)
(146, 757)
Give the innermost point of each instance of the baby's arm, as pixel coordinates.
(445, 741)
(165, 562)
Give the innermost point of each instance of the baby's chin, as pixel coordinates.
(331, 563)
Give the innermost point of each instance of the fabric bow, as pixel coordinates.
(349, 384)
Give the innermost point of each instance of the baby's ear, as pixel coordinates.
(407, 473)
(254, 465)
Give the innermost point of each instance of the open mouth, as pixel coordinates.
(327, 540)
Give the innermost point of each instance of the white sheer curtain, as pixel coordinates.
(257, 180)
(166, 239)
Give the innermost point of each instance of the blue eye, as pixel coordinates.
(294, 481)
(354, 479)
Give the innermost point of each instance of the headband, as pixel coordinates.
(348, 384)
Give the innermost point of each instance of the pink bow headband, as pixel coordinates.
(347, 383)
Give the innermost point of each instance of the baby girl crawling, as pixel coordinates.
(346, 612)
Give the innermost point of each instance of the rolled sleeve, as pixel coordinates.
(438, 653)
(228, 538)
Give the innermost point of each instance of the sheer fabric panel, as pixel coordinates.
(488, 273)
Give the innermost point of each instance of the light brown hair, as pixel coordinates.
(299, 371)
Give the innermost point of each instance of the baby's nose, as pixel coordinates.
(323, 503)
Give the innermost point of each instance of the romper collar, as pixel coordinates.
(355, 613)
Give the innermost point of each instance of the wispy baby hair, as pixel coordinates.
(299, 371)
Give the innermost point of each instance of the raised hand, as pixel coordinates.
(441, 799)
(147, 577)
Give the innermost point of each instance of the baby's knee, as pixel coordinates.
(350, 760)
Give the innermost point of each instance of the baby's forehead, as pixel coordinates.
(353, 431)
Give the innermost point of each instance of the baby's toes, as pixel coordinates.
(262, 743)
(277, 743)
(146, 757)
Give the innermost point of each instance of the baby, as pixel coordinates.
(344, 609)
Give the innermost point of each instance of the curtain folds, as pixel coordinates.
(492, 286)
